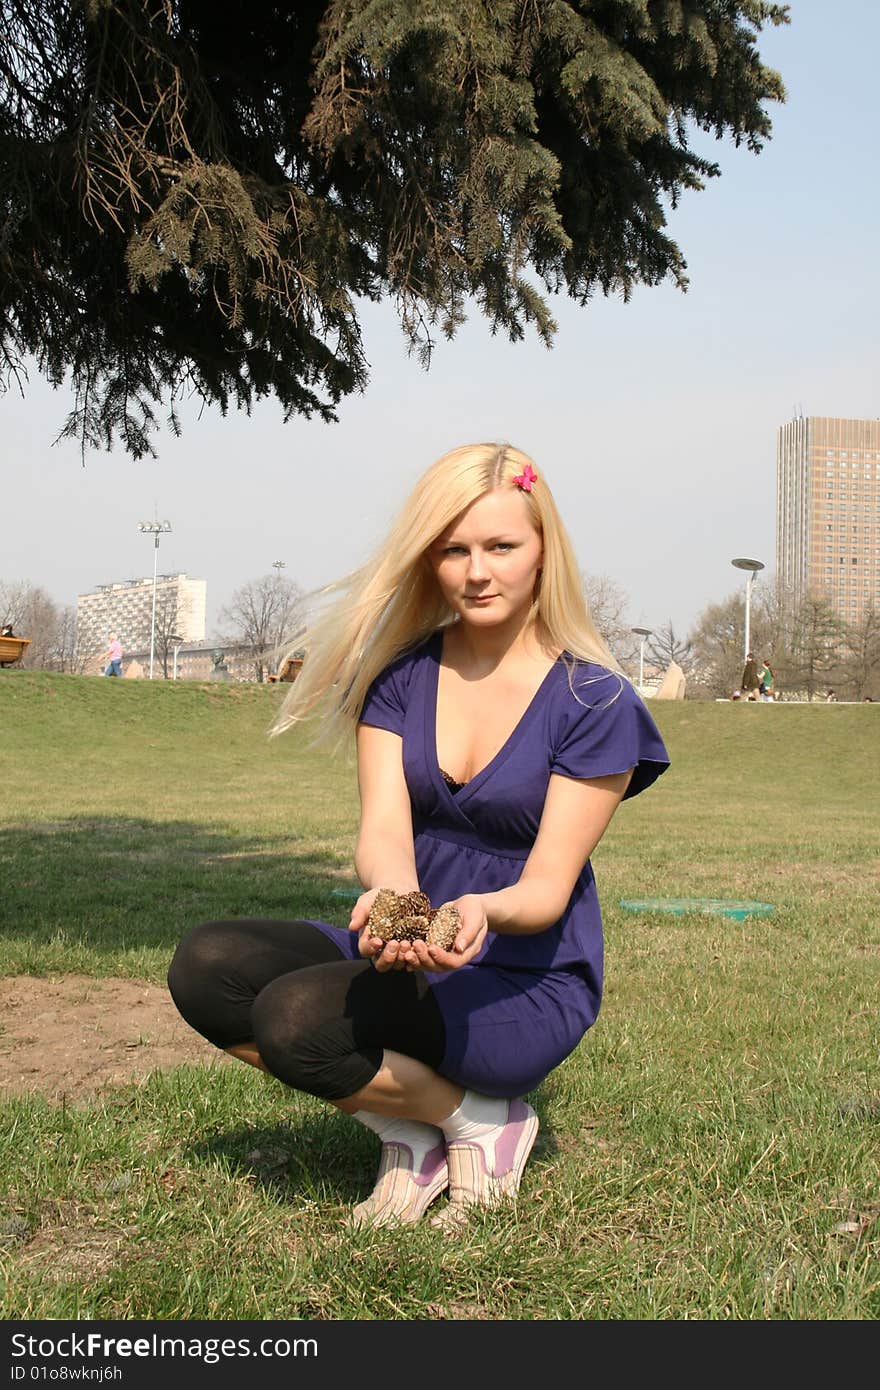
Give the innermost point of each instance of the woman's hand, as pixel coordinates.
(422, 955)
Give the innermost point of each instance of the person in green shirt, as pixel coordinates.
(766, 681)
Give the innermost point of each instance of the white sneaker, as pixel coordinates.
(400, 1194)
(471, 1184)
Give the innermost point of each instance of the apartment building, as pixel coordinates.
(126, 607)
(828, 511)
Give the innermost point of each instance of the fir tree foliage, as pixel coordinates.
(195, 197)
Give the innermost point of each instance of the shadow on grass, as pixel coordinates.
(124, 883)
(322, 1157)
(319, 1158)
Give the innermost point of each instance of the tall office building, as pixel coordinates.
(828, 511)
(126, 607)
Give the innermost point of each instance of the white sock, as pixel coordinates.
(478, 1120)
(421, 1138)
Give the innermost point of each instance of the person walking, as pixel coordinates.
(113, 657)
(496, 738)
(751, 681)
(766, 681)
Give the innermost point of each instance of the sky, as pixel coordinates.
(654, 421)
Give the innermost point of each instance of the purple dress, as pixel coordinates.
(522, 1005)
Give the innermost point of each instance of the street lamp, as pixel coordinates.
(642, 633)
(278, 566)
(178, 642)
(155, 529)
(752, 566)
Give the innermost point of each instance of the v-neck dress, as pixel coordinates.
(521, 1006)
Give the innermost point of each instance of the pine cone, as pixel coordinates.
(399, 917)
(410, 917)
(444, 926)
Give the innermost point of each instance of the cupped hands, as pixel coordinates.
(422, 955)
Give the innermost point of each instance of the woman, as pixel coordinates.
(495, 740)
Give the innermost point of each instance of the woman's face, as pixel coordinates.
(488, 561)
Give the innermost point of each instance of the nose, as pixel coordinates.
(477, 568)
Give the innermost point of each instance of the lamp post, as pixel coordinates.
(752, 566)
(278, 566)
(642, 633)
(155, 529)
(178, 642)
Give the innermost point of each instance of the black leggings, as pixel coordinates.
(319, 1021)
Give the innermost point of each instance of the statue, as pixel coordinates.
(220, 671)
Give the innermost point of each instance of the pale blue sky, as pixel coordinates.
(655, 421)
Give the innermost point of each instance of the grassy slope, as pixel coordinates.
(132, 811)
(708, 1151)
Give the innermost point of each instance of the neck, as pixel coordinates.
(486, 648)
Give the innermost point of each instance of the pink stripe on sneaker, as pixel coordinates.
(506, 1147)
(434, 1160)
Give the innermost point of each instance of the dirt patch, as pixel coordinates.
(70, 1035)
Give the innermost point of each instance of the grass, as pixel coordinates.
(709, 1151)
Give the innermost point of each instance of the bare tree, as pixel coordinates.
(717, 640)
(717, 645)
(32, 614)
(167, 619)
(772, 611)
(264, 615)
(663, 647)
(608, 603)
(14, 604)
(64, 655)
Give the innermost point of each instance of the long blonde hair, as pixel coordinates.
(393, 602)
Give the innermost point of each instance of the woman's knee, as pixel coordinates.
(199, 951)
(307, 1046)
(198, 976)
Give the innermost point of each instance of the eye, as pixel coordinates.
(503, 545)
(453, 550)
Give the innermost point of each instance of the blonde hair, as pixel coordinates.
(393, 602)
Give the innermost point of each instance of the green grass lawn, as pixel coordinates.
(709, 1151)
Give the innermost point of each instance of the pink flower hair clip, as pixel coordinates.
(526, 478)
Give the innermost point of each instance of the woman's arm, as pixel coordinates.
(575, 816)
(384, 856)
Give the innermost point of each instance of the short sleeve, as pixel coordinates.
(384, 706)
(604, 728)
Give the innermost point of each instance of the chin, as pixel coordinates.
(483, 617)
